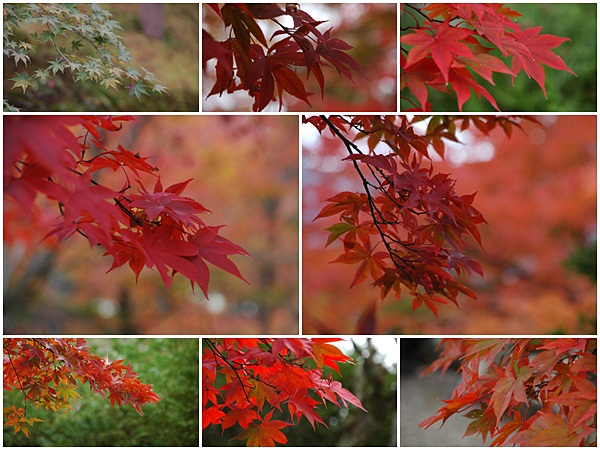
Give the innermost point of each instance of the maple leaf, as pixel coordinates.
(510, 387)
(224, 67)
(121, 158)
(371, 263)
(462, 83)
(261, 392)
(456, 404)
(265, 433)
(242, 416)
(216, 250)
(332, 49)
(327, 354)
(156, 247)
(485, 65)
(211, 415)
(507, 429)
(443, 47)
(301, 404)
(22, 80)
(539, 47)
(264, 10)
(546, 430)
(290, 82)
(416, 77)
(332, 389)
(169, 203)
(344, 203)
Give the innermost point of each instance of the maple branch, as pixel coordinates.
(215, 350)
(20, 384)
(288, 361)
(374, 211)
(418, 11)
(56, 47)
(86, 38)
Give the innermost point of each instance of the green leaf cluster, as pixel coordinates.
(84, 40)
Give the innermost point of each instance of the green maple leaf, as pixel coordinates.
(111, 83)
(138, 90)
(159, 88)
(22, 80)
(43, 75)
(20, 55)
(56, 66)
(76, 45)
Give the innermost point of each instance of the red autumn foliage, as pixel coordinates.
(245, 380)
(457, 40)
(44, 157)
(536, 188)
(270, 53)
(407, 230)
(47, 371)
(530, 392)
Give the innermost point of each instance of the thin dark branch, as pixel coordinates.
(374, 211)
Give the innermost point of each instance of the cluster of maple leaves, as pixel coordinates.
(155, 228)
(245, 380)
(454, 37)
(262, 65)
(47, 371)
(407, 228)
(526, 392)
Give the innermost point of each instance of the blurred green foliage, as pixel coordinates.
(170, 365)
(566, 92)
(172, 58)
(584, 260)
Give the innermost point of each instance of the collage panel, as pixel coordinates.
(299, 392)
(90, 57)
(528, 392)
(300, 57)
(489, 57)
(150, 225)
(447, 225)
(106, 392)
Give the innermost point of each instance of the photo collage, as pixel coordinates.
(300, 224)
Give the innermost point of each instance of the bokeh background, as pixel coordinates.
(171, 366)
(371, 28)
(163, 38)
(537, 192)
(244, 170)
(566, 92)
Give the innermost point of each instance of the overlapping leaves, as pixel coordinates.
(409, 230)
(452, 44)
(47, 371)
(84, 27)
(245, 380)
(249, 62)
(159, 229)
(552, 380)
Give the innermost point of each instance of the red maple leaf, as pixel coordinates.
(444, 46)
(216, 250)
(265, 433)
(539, 47)
(169, 203)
